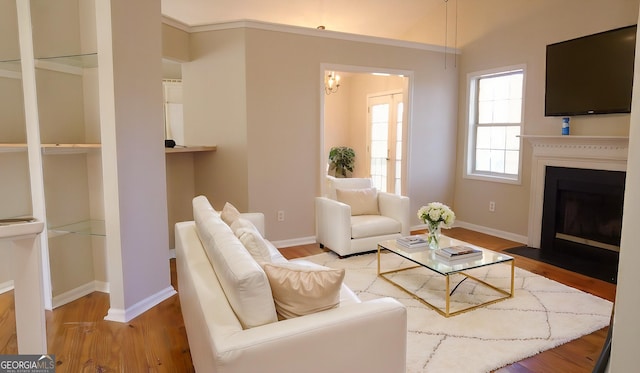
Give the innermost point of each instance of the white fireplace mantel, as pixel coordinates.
(589, 152)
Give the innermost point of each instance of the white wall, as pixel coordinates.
(282, 144)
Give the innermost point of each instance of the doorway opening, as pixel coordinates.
(369, 112)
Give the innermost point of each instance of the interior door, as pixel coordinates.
(385, 117)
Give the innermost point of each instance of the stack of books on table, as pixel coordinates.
(458, 253)
(412, 241)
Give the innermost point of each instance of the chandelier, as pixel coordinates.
(331, 83)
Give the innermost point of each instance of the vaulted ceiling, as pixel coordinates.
(382, 18)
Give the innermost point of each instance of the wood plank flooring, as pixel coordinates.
(156, 340)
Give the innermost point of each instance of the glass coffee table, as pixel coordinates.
(427, 258)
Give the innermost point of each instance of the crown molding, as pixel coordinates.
(306, 31)
(175, 23)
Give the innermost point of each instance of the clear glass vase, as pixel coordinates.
(433, 234)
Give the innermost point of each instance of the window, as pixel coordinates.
(495, 124)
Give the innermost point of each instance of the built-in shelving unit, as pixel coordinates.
(57, 75)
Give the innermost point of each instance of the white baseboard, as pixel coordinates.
(479, 228)
(79, 292)
(294, 242)
(6, 286)
(125, 315)
(493, 232)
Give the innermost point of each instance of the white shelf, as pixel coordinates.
(87, 228)
(190, 149)
(50, 148)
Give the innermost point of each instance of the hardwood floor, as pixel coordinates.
(156, 340)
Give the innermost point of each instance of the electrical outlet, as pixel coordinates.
(492, 206)
(280, 215)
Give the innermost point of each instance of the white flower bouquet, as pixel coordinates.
(436, 213)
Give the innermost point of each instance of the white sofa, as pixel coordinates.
(355, 336)
(345, 232)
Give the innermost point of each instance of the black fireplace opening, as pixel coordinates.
(582, 220)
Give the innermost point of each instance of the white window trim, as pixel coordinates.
(469, 146)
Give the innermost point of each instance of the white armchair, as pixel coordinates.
(348, 231)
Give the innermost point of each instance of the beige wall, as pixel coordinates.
(518, 34)
(337, 121)
(215, 112)
(270, 159)
(175, 44)
(132, 132)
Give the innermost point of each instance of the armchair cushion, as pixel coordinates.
(373, 225)
(300, 289)
(362, 201)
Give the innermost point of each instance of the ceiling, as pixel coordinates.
(382, 18)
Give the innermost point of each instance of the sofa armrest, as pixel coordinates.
(333, 224)
(396, 207)
(361, 337)
(257, 218)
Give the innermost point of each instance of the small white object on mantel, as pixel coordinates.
(587, 152)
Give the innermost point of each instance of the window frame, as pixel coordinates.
(471, 126)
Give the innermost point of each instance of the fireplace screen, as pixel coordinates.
(582, 206)
(591, 218)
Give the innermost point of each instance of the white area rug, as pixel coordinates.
(543, 314)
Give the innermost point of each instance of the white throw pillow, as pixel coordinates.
(300, 290)
(229, 213)
(253, 241)
(362, 201)
(241, 223)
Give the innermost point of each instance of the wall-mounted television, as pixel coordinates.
(592, 74)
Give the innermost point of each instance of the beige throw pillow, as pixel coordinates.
(300, 290)
(229, 213)
(362, 201)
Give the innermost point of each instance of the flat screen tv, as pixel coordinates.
(592, 74)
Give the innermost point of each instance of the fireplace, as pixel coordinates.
(582, 210)
(584, 171)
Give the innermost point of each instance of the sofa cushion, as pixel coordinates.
(373, 225)
(229, 213)
(362, 201)
(202, 209)
(300, 289)
(244, 282)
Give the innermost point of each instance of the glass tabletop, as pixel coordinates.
(427, 257)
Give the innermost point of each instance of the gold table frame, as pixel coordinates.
(446, 312)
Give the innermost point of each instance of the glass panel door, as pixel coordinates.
(386, 113)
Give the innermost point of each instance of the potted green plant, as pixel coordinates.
(341, 160)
